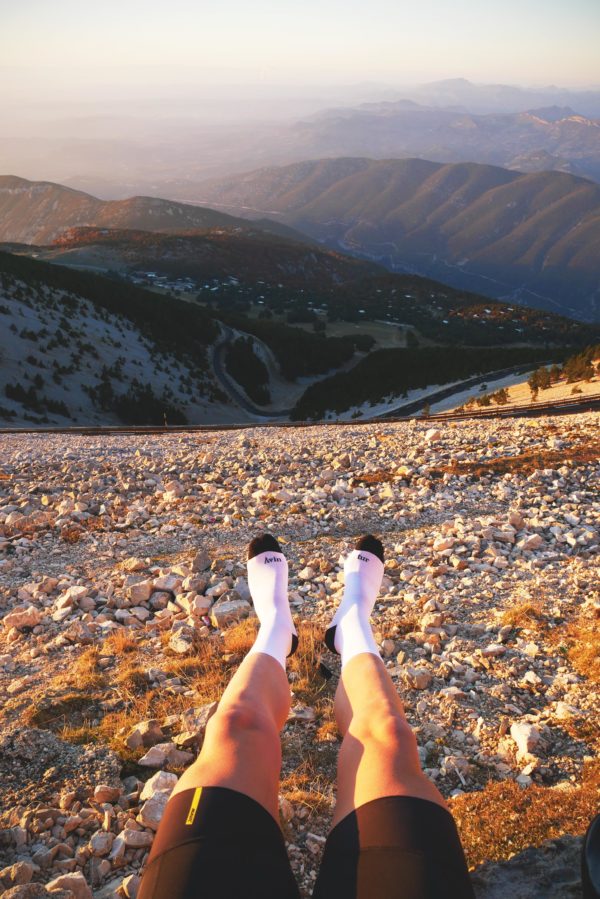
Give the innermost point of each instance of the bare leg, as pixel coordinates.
(378, 756)
(241, 748)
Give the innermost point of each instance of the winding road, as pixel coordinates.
(231, 387)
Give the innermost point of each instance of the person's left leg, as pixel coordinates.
(220, 826)
(241, 749)
(392, 833)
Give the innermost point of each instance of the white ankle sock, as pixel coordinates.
(268, 583)
(363, 573)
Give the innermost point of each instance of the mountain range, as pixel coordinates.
(497, 98)
(529, 238)
(548, 138)
(165, 148)
(38, 212)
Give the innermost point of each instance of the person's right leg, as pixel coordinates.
(392, 834)
(378, 756)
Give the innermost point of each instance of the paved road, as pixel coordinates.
(445, 392)
(532, 410)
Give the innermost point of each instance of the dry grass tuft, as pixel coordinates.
(57, 711)
(85, 673)
(119, 642)
(504, 819)
(580, 641)
(79, 735)
(328, 731)
(240, 638)
(375, 477)
(316, 801)
(71, 534)
(131, 678)
(308, 684)
(525, 614)
(71, 696)
(27, 529)
(310, 783)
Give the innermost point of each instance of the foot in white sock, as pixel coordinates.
(268, 583)
(349, 633)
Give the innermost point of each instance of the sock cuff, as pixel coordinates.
(368, 564)
(270, 558)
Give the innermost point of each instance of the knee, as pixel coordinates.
(239, 718)
(387, 728)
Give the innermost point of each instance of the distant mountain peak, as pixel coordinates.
(449, 82)
(552, 113)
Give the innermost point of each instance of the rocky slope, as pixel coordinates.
(125, 610)
(65, 358)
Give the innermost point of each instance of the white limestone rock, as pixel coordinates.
(419, 678)
(229, 610)
(146, 733)
(152, 810)
(161, 782)
(75, 882)
(525, 735)
(21, 617)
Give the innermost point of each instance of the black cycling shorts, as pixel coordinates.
(216, 843)
(396, 847)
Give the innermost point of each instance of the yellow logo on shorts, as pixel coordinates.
(194, 806)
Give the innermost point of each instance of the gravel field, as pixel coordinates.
(124, 609)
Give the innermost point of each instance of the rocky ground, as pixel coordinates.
(125, 610)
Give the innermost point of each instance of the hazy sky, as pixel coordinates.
(531, 42)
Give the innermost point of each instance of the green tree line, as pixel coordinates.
(394, 372)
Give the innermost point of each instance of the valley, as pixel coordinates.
(526, 238)
(67, 312)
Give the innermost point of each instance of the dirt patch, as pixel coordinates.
(35, 765)
(524, 463)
